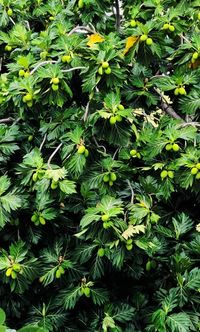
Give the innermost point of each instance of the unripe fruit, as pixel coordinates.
(17, 267)
(133, 152)
(13, 275)
(105, 64)
(54, 185)
(133, 23)
(198, 165)
(110, 183)
(55, 80)
(195, 55)
(81, 149)
(27, 97)
(21, 73)
(8, 48)
(129, 241)
(34, 177)
(34, 218)
(101, 252)
(118, 118)
(170, 174)
(113, 177)
(105, 217)
(198, 16)
(87, 291)
(80, 4)
(164, 174)
(153, 264)
(86, 153)
(149, 41)
(182, 91)
(166, 26)
(106, 225)
(29, 104)
(58, 274)
(100, 71)
(120, 107)
(148, 266)
(27, 74)
(194, 170)
(55, 87)
(30, 138)
(198, 176)
(108, 71)
(51, 18)
(106, 178)
(129, 247)
(175, 147)
(176, 91)
(168, 147)
(112, 120)
(9, 12)
(43, 55)
(62, 271)
(42, 220)
(143, 37)
(8, 272)
(171, 28)
(66, 58)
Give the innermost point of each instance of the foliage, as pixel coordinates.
(100, 165)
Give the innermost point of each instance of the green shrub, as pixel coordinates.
(100, 165)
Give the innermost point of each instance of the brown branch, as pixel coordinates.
(166, 107)
(117, 14)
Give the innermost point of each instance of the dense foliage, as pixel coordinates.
(100, 165)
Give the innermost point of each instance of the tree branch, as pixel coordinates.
(166, 107)
(43, 141)
(71, 69)
(42, 64)
(53, 154)
(117, 14)
(84, 29)
(6, 120)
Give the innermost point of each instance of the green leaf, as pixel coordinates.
(179, 322)
(2, 316)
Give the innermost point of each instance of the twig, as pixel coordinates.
(85, 116)
(166, 107)
(53, 154)
(43, 141)
(42, 64)
(78, 28)
(115, 153)
(117, 14)
(99, 146)
(132, 192)
(6, 120)
(71, 69)
(185, 124)
(13, 22)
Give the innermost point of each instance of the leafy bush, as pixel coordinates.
(100, 165)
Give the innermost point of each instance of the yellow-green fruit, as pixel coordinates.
(29, 104)
(55, 80)
(133, 23)
(42, 220)
(100, 71)
(106, 178)
(8, 272)
(81, 149)
(198, 176)
(101, 252)
(34, 218)
(176, 91)
(143, 37)
(34, 177)
(113, 177)
(16, 267)
(80, 4)
(8, 48)
(118, 118)
(175, 147)
(110, 183)
(55, 87)
(198, 16)
(27, 97)
(120, 107)
(198, 165)
(21, 73)
(129, 241)
(112, 120)
(58, 274)
(51, 18)
(168, 147)
(105, 64)
(105, 217)
(30, 138)
(9, 12)
(195, 55)
(194, 170)
(133, 152)
(164, 174)
(87, 291)
(106, 225)
(165, 26)
(129, 247)
(27, 74)
(86, 153)
(171, 28)
(182, 91)
(62, 271)
(170, 174)
(54, 185)
(108, 71)
(66, 58)
(148, 266)
(43, 55)
(149, 41)
(13, 275)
